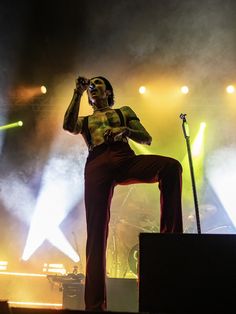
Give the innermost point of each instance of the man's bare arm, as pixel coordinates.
(134, 129)
(72, 123)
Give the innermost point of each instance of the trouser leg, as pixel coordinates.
(97, 203)
(170, 185)
(168, 172)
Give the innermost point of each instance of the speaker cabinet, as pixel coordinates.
(187, 273)
(122, 295)
(73, 296)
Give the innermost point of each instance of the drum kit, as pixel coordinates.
(124, 248)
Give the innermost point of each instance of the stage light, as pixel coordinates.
(25, 94)
(197, 145)
(56, 198)
(220, 170)
(184, 90)
(34, 304)
(3, 265)
(43, 89)
(11, 125)
(54, 268)
(11, 273)
(142, 89)
(230, 89)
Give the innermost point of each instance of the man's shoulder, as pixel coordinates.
(125, 109)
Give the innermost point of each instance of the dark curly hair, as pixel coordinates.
(109, 87)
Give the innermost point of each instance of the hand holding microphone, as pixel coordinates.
(82, 84)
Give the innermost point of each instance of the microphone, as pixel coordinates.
(83, 81)
(185, 125)
(183, 116)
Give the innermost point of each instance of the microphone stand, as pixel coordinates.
(187, 137)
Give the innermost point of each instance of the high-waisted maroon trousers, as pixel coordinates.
(106, 167)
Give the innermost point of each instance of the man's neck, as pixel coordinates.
(101, 106)
(101, 109)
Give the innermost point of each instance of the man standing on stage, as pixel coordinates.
(110, 162)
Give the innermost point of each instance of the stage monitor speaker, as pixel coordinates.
(187, 273)
(122, 295)
(73, 296)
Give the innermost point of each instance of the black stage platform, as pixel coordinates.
(187, 273)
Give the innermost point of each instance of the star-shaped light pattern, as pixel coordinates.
(61, 190)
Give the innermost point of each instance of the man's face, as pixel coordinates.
(97, 90)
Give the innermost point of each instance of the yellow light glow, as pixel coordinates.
(56, 265)
(184, 90)
(230, 89)
(142, 149)
(54, 268)
(43, 89)
(35, 304)
(3, 267)
(197, 145)
(142, 90)
(21, 274)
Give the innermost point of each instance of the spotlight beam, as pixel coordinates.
(11, 125)
(52, 207)
(220, 171)
(45, 226)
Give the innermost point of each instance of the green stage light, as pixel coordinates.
(11, 125)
